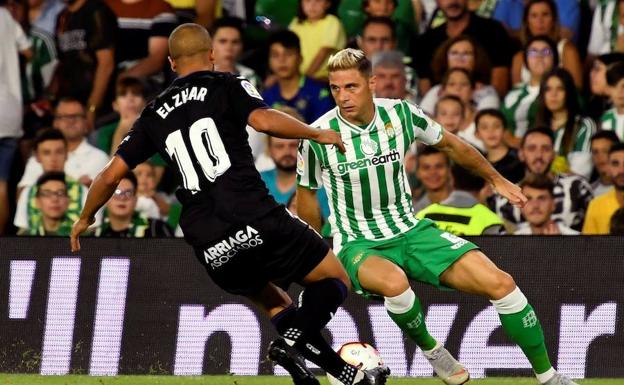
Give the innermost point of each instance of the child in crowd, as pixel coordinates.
(150, 203)
(321, 34)
(449, 112)
(490, 128)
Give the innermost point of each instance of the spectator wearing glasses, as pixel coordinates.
(462, 52)
(519, 107)
(50, 147)
(541, 18)
(84, 161)
(122, 220)
(53, 203)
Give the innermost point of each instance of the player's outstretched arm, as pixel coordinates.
(471, 159)
(100, 192)
(308, 208)
(281, 125)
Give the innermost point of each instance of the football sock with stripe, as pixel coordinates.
(522, 326)
(406, 311)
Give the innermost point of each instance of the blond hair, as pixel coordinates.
(347, 59)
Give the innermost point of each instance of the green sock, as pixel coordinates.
(413, 323)
(525, 330)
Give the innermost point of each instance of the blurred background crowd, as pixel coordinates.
(536, 85)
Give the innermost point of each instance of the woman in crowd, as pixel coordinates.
(540, 18)
(540, 56)
(558, 107)
(463, 52)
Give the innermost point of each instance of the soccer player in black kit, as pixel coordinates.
(249, 244)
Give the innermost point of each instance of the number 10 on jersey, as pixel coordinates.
(208, 149)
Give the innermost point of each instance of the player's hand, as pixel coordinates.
(508, 190)
(79, 227)
(330, 137)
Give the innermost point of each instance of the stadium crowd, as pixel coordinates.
(536, 85)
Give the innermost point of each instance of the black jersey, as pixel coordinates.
(198, 125)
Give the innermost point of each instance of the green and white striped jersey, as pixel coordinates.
(612, 121)
(586, 128)
(367, 188)
(519, 108)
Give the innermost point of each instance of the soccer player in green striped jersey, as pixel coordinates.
(378, 239)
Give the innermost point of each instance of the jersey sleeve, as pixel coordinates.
(419, 126)
(243, 98)
(137, 146)
(308, 167)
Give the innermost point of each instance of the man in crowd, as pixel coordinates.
(538, 211)
(86, 35)
(433, 169)
(84, 161)
(52, 201)
(459, 20)
(601, 208)
(601, 143)
(50, 148)
(122, 220)
(572, 193)
(462, 213)
(391, 79)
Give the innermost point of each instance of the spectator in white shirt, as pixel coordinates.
(14, 41)
(84, 161)
(540, 207)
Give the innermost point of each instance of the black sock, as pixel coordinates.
(319, 302)
(313, 346)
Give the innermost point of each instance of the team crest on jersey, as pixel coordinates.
(369, 147)
(250, 89)
(389, 129)
(301, 104)
(300, 163)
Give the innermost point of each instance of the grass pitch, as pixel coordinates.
(31, 379)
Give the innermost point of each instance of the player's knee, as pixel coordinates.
(501, 285)
(395, 283)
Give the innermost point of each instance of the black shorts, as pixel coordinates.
(277, 248)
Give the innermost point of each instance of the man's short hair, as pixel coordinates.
(69, 99)
(538, 130)
(615, 73)
(129, 84)
(539, 182)
(227, 22)
(616, 148)
(453, 98)
(466, 180)
(48, 134)
(430, 150)
(611, 136)
(350, 58)
(490, 112)
(51, 175)
(365, 3)
(388, 59)
(380, 20)
(287, 38)
(132, 178)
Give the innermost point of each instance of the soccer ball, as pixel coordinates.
(359, 354)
